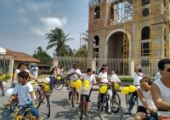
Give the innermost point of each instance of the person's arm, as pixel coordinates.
(30, 88)
(32, 97)
(94, 80)
(156, 96)
(9, 100)
(78, 73)
(139, 74)
(145, 84)
(12, 96)
(143, 100)
(32, 77)
(15, 76)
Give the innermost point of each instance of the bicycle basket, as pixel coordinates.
(59, 77)
(72, 84)
(103, 89)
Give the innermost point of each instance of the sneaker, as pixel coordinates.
(69, 102)
(79, 112)
(78, 102)
(86, 114)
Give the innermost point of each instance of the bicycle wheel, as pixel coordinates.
(38, 98)
(13, 105)
(103, 112)
(59, 85)
(127, 99)
(82, 107)
(116, 98)
(72, 97)
(48, 112)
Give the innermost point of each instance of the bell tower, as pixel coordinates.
(101, 15)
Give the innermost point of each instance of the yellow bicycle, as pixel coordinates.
(27, 112)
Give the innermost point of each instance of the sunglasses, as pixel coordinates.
(168, 70)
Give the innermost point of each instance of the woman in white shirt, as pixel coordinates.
(92, 80)
(22, 67)
(103, 80)
(145, 101)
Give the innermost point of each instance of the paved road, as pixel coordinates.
(60, 110)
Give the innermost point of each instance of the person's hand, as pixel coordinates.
(108, 83)
(6, 104)
(150, 109)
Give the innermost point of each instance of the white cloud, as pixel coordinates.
(47, 24)
(39, 5)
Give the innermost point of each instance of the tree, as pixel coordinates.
(42, 55)
(57, 39)
(82, 51)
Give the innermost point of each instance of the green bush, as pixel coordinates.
(126, 79)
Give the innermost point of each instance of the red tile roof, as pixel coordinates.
(20, 56)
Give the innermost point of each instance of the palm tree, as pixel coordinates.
(57, 40)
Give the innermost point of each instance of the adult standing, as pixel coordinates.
(22, 67)
(136, 82)
(35, 71)
(160, 90)
(103, 80)
(74, 74)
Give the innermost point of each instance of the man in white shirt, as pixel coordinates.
(160, 90)
(74, 74)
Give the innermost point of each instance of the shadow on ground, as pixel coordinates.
(5, 114)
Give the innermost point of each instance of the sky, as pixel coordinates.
(24, 23)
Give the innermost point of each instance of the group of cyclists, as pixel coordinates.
(153, 96)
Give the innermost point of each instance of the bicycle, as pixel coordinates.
(73, 91)
(57, 82)
(43, 92)
(151, 116)
(115, 97)
(27, 112)
(103, 107)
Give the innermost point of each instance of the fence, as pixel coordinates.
(120, 66)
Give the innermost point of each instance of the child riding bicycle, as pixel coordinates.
(91, 78)
(145, 102)
(23, 89)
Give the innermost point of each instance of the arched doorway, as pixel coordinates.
(118, 52)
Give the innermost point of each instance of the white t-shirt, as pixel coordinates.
(16, 72)
(137, 78)
(91, 79)
(103, 77)
(23, 92)
(74, 76)
(35, 72)
(147, 95)
(157, 76)
(60, 71)
(114, 78)
(165, 95)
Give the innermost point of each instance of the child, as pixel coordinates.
(92, 80)
(145, 102)
(23, 89)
